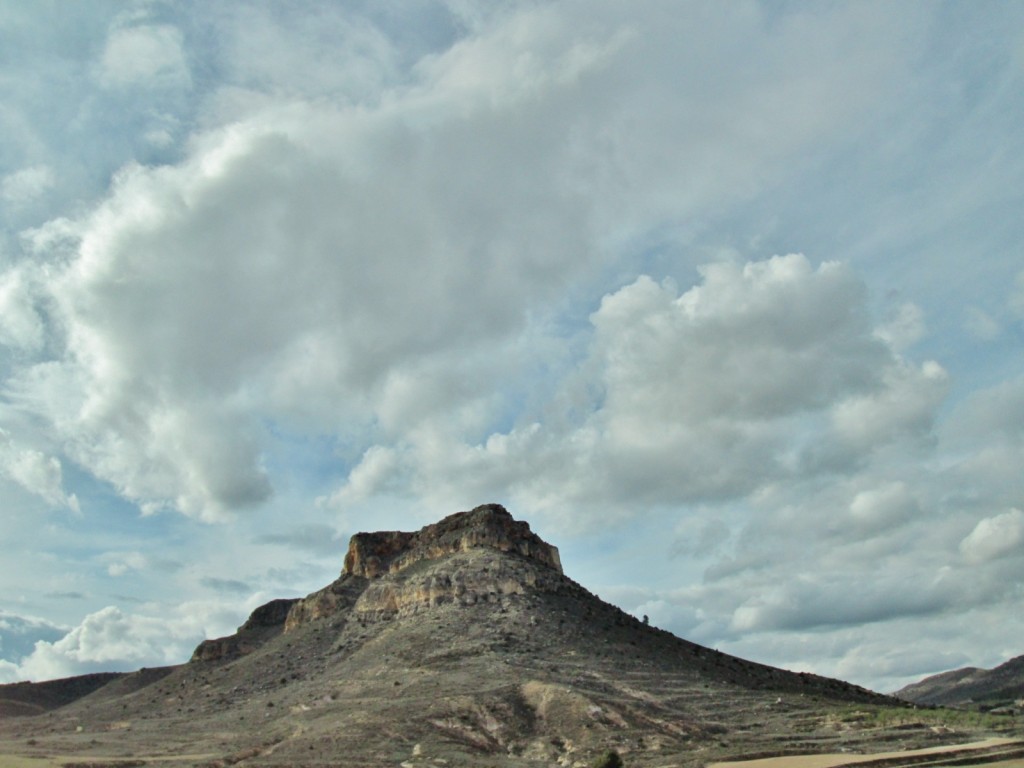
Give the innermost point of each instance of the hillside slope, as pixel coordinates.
(460, 643)
(1002, 686)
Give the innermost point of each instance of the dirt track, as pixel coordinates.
(987, 752)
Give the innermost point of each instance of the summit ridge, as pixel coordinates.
(390, 573)
(372, 555)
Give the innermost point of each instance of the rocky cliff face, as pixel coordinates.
(372, 555)
(263, 623)
(453, 561)
(460, 579)
(457, 561)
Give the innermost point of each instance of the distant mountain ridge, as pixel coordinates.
(1002, 686)
(17, 699)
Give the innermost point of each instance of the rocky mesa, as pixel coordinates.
(411, 584)
(371, 555)
(460, 644)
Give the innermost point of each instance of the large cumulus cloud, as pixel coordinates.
(524, 252)
(795, 448)
(709, 394)
(111, 640)
(311, 257)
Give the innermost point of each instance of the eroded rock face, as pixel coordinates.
(458, 561)
(462, 579)
(372, 555)
(263, 623)
(336, 598)
(392, 573)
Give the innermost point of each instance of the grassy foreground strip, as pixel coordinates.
(958, 752)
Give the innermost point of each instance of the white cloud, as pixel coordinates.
(18, 636)
(284, 51)
(121, 563)
(35, 472)
(111, 640)
(994, 537)
(744, 343)
(990, 416)
(742, 381)
(880, 508)
(984, 443)
(372, 475)
(151, 56)
(904, 407)
(905, 327)
(21, 325)
(26, 185)
(8, 672)
(309, 257)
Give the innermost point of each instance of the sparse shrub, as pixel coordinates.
(609, 759)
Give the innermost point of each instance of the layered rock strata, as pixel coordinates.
(392, 573)
(461, 560)
(372, 555)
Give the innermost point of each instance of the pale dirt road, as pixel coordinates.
(830, 760)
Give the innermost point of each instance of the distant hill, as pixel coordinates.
(35, 698)
(461, 644)
(971, 687)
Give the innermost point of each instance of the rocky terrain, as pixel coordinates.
(462, 644)
(987, 689)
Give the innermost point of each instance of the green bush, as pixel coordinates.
(609, 759)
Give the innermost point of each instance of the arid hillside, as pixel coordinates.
(987, 689)
(463, 644)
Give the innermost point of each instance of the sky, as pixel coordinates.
(725, 299)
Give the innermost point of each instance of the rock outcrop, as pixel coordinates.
(372, 555)
(337, 598)
(391, 572)
(265, 622)
(460, 579)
